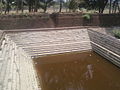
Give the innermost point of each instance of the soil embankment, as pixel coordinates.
(57, 20)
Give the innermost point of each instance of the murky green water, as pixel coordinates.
(77, 71)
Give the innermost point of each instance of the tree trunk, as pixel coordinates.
(7, 7)
(30, 4)
(102, 4)
(45, 8)
(17, 9)
(22, 6)
(118, 9)
(36, 6)
(30, 7)
(1, 6)
(117, 5)
(110, 7)
(60, 6)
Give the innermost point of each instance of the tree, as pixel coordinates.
(115, 6)
(66, 5)
(30, 5)
(101, 5)
(19, 5)
(110, 8)
(1, 6)
(8, 6)
(36, 5)
(60, 6)
(44, 4)
(95, 4)
(61, 2)
(73, 5)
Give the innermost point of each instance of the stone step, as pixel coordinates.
(56, 52)
(9, 70)
(4, 66)
(112, 56)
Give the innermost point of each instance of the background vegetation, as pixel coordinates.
(116, 33)
(32, 6)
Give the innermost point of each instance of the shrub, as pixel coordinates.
(87, 16)
(116, 33)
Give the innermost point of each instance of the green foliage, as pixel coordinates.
(44, 4)
(116, 33)
(24, 14)
(87, 16)
(73, 5)
(1, 5)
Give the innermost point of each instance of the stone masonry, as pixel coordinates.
(16, 68)
(106, 45)
(18, 49)
(51, 42)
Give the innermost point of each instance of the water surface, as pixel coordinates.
(77, 71)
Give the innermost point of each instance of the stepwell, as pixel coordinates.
(29, 59)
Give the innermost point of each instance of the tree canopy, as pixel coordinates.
(72, 5)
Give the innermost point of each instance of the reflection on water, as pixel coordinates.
(77, 71)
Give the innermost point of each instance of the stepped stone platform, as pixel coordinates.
(20, 47)
(105, 45)
(50, 42)
(16, 68)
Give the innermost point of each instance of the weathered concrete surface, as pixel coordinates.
(106, 45)
(53, 41)
(1, 37)
(1, 32)
(16, 68)
(107, 41)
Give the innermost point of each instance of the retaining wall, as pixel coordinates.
(106, 45)
(57, 20)
(25, 22)
(68, 20)
(109, 20)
